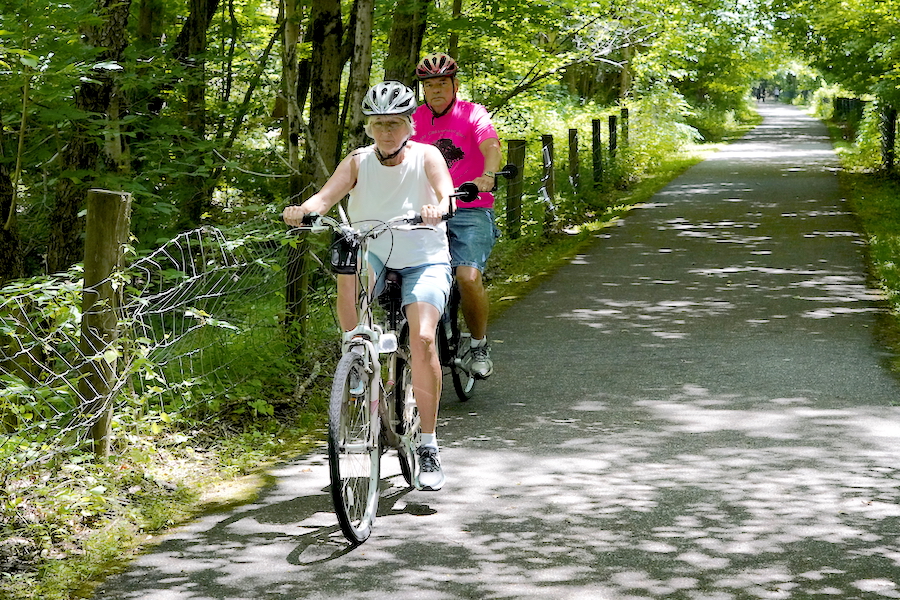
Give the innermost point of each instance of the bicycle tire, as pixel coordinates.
(354, 453)
(463, 380)
(409, 426)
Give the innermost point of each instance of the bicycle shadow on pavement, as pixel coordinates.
(291, 523)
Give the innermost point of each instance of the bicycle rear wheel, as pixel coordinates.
(354, 449)
(409, 427)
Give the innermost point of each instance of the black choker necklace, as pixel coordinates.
(382, 158)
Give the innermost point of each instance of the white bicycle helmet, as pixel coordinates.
(389, 98)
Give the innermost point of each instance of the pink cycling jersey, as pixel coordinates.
(458, 135)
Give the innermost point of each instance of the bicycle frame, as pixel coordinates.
(370, 338)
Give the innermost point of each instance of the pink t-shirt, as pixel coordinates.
(458, 135)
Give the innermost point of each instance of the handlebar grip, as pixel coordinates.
(310, 218)
(509, 171)
(467, 192)
(417, 220)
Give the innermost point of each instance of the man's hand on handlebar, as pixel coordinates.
(485, 183)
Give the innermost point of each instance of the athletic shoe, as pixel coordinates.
(431, 476)
(482, 365)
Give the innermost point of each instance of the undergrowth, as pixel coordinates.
(874, 197)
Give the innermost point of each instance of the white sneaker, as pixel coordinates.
(482, 365)
(431, 476)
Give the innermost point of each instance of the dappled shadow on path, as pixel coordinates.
(671, 496)
(695, 408)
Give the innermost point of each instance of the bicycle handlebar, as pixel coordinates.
(509, 171)
(469, 191)
(315, 220)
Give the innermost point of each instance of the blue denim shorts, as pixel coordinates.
(425, 283)
(472, 234)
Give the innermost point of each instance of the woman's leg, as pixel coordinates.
(426, 368)
(346, 301)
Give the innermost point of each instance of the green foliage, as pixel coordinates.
(863, 153)
(659, 129)
(852, 43)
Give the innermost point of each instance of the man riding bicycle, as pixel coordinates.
(464, 134)
(386, 180)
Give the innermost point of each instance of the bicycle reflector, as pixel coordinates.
(343, 254)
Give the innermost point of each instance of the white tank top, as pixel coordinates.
(382, 193)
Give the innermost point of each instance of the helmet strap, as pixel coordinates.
(436, 115)
(382, 158)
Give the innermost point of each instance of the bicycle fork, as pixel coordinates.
(372, 381)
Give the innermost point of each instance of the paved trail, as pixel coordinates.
(695, 408)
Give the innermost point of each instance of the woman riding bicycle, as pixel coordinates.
(389, 179)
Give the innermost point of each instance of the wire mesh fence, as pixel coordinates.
(199, 320)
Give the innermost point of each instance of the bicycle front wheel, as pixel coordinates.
(354, 449)
(409, 426)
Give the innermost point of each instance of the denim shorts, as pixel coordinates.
(472, 234)
(424, 283)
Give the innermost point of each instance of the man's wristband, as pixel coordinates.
(490, 174)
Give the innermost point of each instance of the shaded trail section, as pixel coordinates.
(694, 408)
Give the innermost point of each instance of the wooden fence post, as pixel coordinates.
(597, 151)
(574, 166)
(548, 182)
(515, 153)
(624, 127)
(613, 137)
(106, 231)
(888, 137)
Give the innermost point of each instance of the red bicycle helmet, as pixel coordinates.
(436, 65)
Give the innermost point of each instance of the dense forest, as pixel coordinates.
(180, 103)
(215, 114)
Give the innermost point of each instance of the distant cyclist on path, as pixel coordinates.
(464, 134)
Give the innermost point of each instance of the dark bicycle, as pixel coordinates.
(454, 348)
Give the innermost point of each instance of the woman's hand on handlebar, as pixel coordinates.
(293, 215)
(432, 214)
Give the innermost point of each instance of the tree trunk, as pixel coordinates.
(360, 68)
(150, 22)
(410, 18)
(625, 77)
(325, 86)
(10, 247)
(453, 44)
(94, 99)
(197, 192)
(296, 304)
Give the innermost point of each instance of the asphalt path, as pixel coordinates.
(697, 407)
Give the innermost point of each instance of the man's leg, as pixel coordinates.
(474, 297)
(475, 307)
